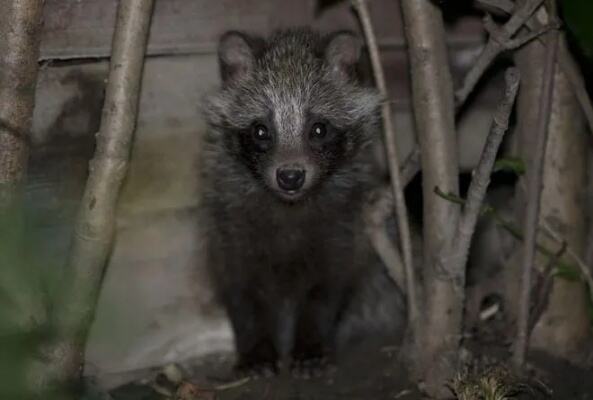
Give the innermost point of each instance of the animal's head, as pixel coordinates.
(290, 108)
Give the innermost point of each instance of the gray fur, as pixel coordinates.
(273, 251)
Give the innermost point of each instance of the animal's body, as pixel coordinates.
(287, 166)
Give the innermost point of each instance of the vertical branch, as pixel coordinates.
(20, 25)
(534, 190)
(393, 161)
(481, 177)
(499, 41)
(94, 231)
(432, 95)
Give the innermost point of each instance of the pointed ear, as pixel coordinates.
(342, 52)
(236, 55)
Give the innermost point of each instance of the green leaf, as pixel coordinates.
(510, 164)
(567, 271)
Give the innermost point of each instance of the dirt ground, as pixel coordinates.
(369, 371)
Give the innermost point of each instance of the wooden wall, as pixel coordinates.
(156, 305)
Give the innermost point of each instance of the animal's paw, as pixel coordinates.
(311, 367)
(257, 370)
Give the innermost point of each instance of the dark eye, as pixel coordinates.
(318, 131)
(260, 133)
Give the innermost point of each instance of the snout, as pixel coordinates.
(291, 178)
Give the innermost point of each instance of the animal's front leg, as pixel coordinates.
(253, 325)
(314, 343)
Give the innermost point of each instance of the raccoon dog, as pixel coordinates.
(286, 168)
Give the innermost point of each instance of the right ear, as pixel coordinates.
(236, 54)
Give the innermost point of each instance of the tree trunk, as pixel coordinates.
(432, 95)
(20, 26)
(20, 23)
(564, 325)
(94, 231)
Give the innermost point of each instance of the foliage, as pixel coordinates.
(492, 384)
(510, 164)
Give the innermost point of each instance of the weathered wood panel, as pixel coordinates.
(83, 28)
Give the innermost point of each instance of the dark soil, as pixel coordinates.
(365, 372)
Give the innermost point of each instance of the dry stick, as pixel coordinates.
(481, 177)
(94, 231)
(20, 31)
(496, 5)
(392, 160)
(20, 26)
(575, 77)
(435, 355)
(533, 205)
(499, 40)
(376, 213)
(543, 294)
(583, 266)
(567, 62)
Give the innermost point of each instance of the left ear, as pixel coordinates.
(342, 52)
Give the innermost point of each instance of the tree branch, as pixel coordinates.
(434, 117)
(361, 8)
(378, 209)
(543, 296)
(567, 62)
(499, 40)
(583, 266)
(94, 231)
(20, 26)
(481, 177)
(533, 205)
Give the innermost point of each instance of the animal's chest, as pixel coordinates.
(301, 242)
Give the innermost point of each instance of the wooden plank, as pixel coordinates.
(83, 28)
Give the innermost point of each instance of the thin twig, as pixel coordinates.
(543, 296)
(583, 267)
(499, 40)
(511, 228)
(481, 177)
(361, 8)
(567, 62)
(496, 6)
(575, 77)
(378, 209)
(94, 231)
(533, 205)
(376, 212)
(589, 247)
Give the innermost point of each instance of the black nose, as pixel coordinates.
(290, 178)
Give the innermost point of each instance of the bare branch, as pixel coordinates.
(498, 42)
(528, 37)
(533, 205)
(481, 176)
(361, 8)
(434, 117)
(567, 63)
(377, 211)
(583, 267)
(575, 77)
(94, 230)
(20, 25)
(496, 6)
(543, 296)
